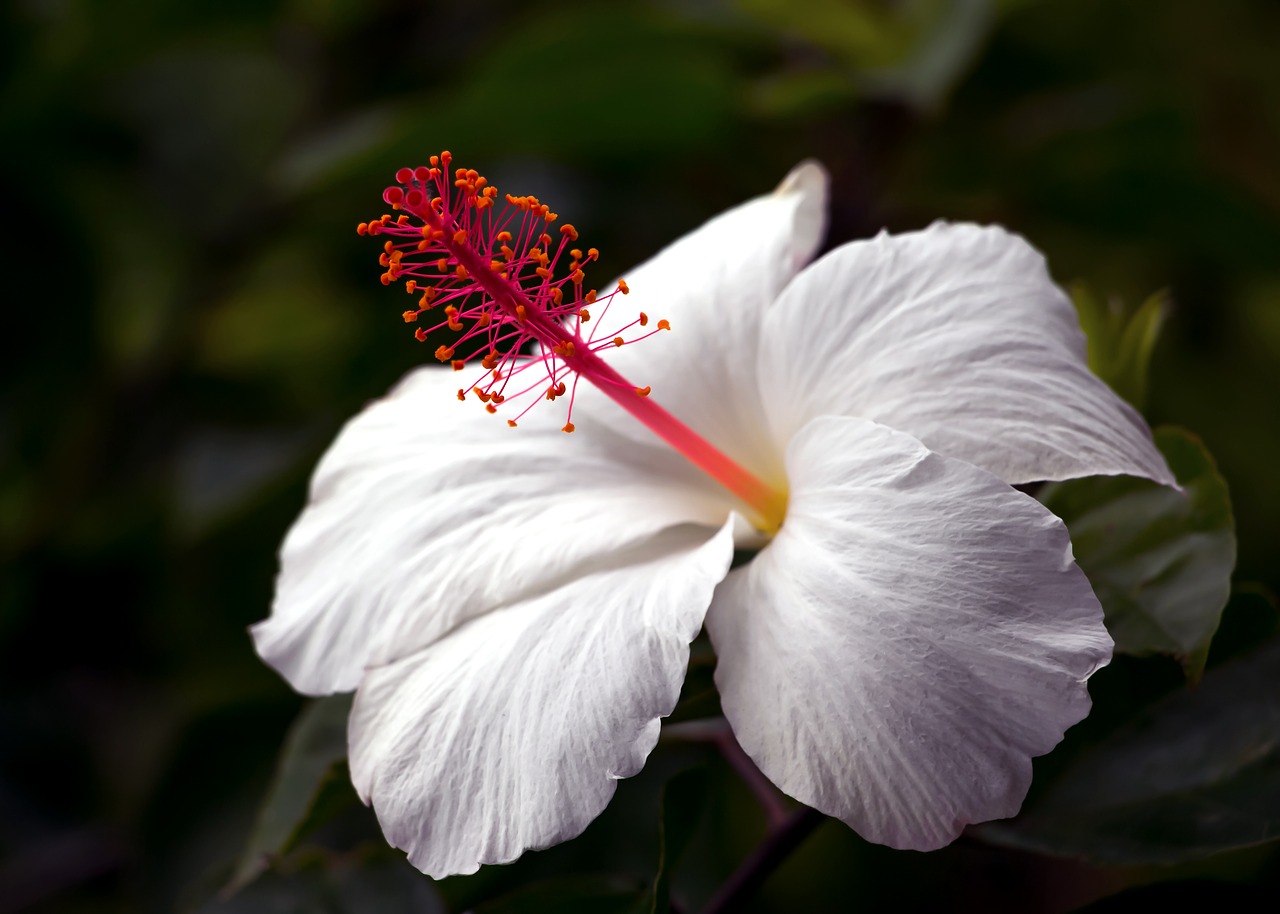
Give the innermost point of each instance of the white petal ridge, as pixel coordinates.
(714, 285)
(426, 512)
(957, 336)
(510, 733)
(913, 636)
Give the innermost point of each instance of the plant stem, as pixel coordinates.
(767, 857)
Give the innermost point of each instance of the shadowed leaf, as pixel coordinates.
(1196, 774)
(309, 783)
(1159, 560)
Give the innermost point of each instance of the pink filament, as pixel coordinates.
(519, 317)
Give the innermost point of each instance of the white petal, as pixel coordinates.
(915, 633)
(958, 336)
(427, 512)
(714, 286)
(510, 733)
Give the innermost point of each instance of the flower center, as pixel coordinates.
(503, 283)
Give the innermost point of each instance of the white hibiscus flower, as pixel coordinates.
(514, 607)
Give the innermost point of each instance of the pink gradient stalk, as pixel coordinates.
(535, 318)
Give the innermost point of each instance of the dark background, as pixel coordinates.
(189, 317)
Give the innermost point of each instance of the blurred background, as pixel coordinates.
(190, 318)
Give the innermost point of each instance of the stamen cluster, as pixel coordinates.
(495, 274)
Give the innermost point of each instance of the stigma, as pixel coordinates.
(505, 280)
(508, 285)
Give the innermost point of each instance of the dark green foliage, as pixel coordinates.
(190, 318)
(1160, 560)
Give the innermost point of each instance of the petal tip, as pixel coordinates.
(809, 177)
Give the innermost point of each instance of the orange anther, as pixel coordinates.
(511, 422)
(577, 276)
(420, 334)
(490, 408)
(592, 253)
(623, 287)
(484, 397)
(557, 296)
(362, 228)
(410, 316)
(664, 324)
(444, 353)
(458, 364)
(644, 319)
(454, 326)
(504, 236)
(584, 315)
(443, 264)
(643, 391)
(521, 314)
(569, 230)
(576, 254)
(590, 297)
(459, 237)
(543, 272)
(434, 160)
(461, 271)
(618, 341)
(568, 427)
(544, 238)
(490, 360)
(462, 394)
(401, 220)
(411, 286)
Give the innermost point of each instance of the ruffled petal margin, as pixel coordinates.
(957, 336)
(913, 636)
(426, 512)
(510, 733)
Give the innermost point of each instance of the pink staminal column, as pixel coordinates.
(493, 273)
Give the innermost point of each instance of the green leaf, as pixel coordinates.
(309, 785)
(913, 51)
(683, 800)
(371, 880)
(1196, 774)
(1160, 560)
(1120, 342)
